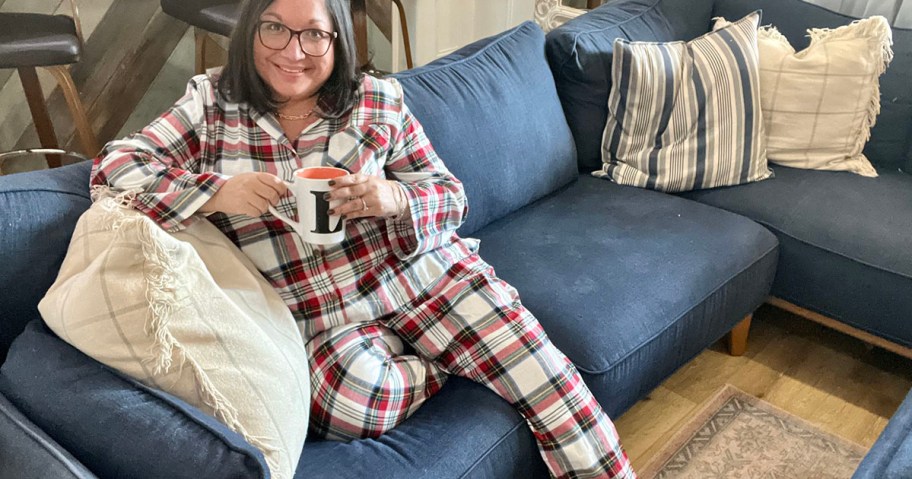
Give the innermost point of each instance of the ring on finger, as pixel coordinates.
(363, 204)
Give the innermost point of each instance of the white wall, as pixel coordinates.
(439, 27)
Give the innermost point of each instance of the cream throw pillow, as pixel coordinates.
(819, 104)
(190, 315)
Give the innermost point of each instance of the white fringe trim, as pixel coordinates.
(769, 32)
(877, 29)
(162, 297)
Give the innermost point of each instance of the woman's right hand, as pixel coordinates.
(248, 194)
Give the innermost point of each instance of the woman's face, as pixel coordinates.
(292, 74)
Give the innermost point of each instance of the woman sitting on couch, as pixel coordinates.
(291, 96)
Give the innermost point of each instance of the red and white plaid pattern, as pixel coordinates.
(471, 324)
(414, 276)
(363, 383)
(181, 159)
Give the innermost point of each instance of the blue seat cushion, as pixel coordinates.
(844, 243)
(464, 431)
(891, 137)
(580, 54)
(891, 455)
(170, 438)
(492, 113)
(113, 424)
(631, 283)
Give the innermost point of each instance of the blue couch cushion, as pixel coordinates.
(27, 451)
(492, 112)
(647, 280)
(170, 438)
(464, 431)
(891, 455)
(844, 243)
(38, 212)
(891, 137)
(113, 424)
(580, 53)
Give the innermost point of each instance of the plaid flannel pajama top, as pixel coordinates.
(390, 280)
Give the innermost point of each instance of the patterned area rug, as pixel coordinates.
(737, 436)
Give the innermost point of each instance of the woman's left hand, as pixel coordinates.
(367, 196)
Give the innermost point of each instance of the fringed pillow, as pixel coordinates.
(190, 315)
(819, 104)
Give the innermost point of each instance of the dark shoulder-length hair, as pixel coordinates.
(239, 81)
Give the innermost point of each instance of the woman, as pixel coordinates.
(291, 96)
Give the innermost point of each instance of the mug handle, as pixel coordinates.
(282, 217)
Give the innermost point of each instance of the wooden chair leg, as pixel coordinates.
(200, 38)
(737, 337)
(35, 97)
(84, 131)
(405, 34)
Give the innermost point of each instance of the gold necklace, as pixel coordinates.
(297, 117)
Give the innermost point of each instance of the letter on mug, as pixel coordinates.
(322, 216)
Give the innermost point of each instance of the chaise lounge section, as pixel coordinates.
(843, 239)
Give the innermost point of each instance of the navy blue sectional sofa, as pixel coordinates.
(891, 455)
(844, 240)
(630, 283)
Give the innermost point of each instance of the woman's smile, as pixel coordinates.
(292, 70)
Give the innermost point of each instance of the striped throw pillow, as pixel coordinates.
(686, 115)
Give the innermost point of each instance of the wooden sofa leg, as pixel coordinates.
(737, 337)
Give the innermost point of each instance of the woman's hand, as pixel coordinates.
(367, 196)
(248, 194)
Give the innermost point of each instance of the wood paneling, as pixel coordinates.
(112, 80)
(381, 13)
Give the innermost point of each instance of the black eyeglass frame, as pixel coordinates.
(295, 33)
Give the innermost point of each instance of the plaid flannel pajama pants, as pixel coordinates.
(470, 324)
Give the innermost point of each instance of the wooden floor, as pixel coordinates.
(829, 379)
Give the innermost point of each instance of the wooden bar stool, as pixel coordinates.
(205, 16)
(31, 40)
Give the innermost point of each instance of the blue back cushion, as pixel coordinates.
(38, 212)
(114, 425)
(889, 146)
(580, 53)
(492, 113)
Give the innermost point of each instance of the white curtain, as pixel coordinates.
(898, 12)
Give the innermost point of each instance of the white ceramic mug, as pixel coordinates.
(315, 225)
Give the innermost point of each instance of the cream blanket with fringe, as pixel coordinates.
(189, 314)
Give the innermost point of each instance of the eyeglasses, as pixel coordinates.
(313, 41)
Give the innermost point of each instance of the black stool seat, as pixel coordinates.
(217, 16)
(31, 39)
